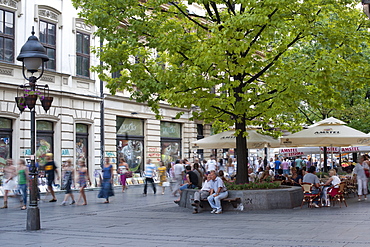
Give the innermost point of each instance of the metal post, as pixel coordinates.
(33, 212)
(102, 142)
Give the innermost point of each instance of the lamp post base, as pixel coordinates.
(33, 218)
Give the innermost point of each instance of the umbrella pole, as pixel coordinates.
(332, 157)
(325, 159)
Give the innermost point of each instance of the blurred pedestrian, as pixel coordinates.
(149, 175)
(50, 171)
(106, 186)
(9, 183)
(162, 174)
(123, 170)
(179, 173)
(361, 176)
(23, 181)
(83, 177)
(67, 182)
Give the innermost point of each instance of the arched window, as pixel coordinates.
(5, 139)
(82, 137)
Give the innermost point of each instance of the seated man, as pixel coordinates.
(191, 179)
(218, 191)
(311, 178)
(202, 194)
(252, 176)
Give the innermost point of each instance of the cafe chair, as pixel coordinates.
(308, 196)
(339, 196)
(351, 187)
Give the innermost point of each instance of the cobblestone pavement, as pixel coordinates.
(154, 220)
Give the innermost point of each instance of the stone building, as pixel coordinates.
(82, 109)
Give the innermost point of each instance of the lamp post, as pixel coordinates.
(33, 55)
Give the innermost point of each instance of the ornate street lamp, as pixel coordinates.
(33, 55)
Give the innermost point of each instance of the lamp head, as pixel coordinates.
(33, 54)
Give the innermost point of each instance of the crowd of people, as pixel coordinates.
(208, 177)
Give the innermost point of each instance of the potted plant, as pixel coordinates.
(21, 103)
(46, 102)
(31, 97)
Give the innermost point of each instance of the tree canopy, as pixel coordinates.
(240, 62)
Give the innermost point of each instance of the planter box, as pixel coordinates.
(282, 198)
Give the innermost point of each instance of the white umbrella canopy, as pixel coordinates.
(330, 120)
(328, 133)
(227, 139)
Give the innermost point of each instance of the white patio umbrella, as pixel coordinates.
(227, 139)
(332, 132)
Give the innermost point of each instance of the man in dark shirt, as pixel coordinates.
(191, 179)
(50, 171)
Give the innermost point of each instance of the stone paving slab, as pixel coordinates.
(134, 220)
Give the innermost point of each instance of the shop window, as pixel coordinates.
(6, 36)
(48, 40)
(83, 54)
(130, 142)
(5, 139)
(170, 141)
(82, 137)
(44, 140)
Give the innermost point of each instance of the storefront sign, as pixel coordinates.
(154, 150)
(130, 126)
(170, 130)
(154, 155)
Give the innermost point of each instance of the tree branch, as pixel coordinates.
(188, 16)
(224, 111)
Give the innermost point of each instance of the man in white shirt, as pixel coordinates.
(211, 164)
(202, 194)
(179, 174)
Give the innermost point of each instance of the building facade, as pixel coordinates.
(81, 112)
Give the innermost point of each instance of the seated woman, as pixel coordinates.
(334, 181)
(297, 177)
(221, 174)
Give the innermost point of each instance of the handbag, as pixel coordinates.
(166, 184)
(128, 174)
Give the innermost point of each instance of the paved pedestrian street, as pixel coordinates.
(134, 220)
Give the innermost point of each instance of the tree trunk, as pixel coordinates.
(241, 154)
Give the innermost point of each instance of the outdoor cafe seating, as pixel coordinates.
(308, 196)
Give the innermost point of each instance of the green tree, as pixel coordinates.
(238, 61)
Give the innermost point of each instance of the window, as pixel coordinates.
(44, 140)
(83, 54)
(130, 142)
(48, 40)
(6, 36)
(170, 141)
(82, 137)
(5, 139)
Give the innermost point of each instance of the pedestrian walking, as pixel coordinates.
(67, 182)
(162, 174)
(361, 176)
(123, 170)
(50, 171)
(9, 183)
(106, 186)
(23, 182)
(149, 174)
(83, 177)
(179, 173)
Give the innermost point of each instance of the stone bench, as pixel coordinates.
(281, 198)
